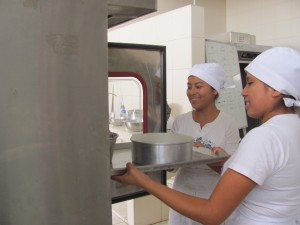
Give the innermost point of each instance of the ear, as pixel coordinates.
(215, 92)
(276, 93)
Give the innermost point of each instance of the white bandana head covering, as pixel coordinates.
(211, 73)
(279, 67)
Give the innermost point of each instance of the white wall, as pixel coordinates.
(214, 17)
(54, 148)
(273, 22)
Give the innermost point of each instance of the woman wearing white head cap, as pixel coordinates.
(210, 128)
(260, 183)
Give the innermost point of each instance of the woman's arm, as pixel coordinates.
(228, 194)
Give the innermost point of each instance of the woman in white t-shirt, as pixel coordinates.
(260, 183)
(210, 128)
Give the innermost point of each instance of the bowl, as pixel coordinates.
(135, 115)
(134, 126)
(116, 122)
(112, 141)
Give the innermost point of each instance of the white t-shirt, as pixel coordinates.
(270, 156)
(200, 180)
(222, 132)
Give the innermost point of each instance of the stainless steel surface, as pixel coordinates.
(134, 122)
(160, 148)
(246, 53)
(112, 141)
(116, 122)
(120, 11)
(122, 155)
(54, 150)
(198, 158)
(134, 126)
(234, 37)
(245, 44)
(135, 115)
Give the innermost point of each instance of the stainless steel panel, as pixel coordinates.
(120, 11)
(234, 37)
(198, 158)
(120, 192)
(54, 150)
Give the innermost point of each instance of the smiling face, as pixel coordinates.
(199, 93)
(260, 99)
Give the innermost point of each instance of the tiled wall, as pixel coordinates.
(273, 22)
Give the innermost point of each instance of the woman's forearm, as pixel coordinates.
(198, 209)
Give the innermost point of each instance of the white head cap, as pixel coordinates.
(211, 73)
(279, 67)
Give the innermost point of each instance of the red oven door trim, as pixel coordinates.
(145, 93)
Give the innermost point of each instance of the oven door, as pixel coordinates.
(136, 82)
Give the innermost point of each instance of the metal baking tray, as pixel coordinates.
(197, 159)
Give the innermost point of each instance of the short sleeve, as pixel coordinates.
(257, 156)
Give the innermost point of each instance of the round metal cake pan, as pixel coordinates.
(161, 148)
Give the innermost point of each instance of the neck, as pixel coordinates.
(278, 111)
(204, 116)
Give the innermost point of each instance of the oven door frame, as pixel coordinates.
(120, 57)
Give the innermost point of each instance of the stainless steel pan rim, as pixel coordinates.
(161, 138)
(160, 148)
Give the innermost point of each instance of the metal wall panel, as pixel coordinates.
(54, 154)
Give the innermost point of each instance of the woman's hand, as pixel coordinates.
(218, 151)
(198, 144)
(133, 176)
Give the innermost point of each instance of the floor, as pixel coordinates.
(119, 215)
